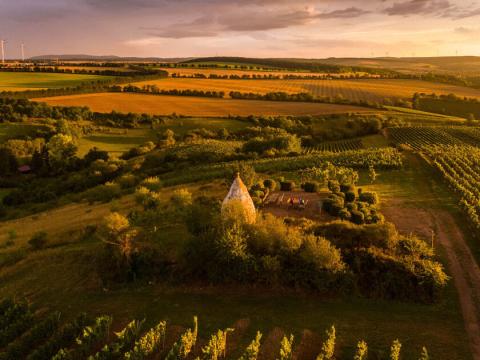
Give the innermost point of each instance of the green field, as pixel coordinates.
(19, 81)
(60, 278)
(11, 131)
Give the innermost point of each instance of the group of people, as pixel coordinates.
(300, 202)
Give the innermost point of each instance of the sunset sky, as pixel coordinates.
(257, 28)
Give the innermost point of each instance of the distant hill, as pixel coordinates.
(460, 65)
(83, 57)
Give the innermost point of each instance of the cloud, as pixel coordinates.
(351, 12)
(419, 7)
(465, 31)
(208, 26)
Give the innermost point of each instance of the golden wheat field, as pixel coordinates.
(356, 89)
(194, 106)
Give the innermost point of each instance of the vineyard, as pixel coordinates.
(460, 167)
(336, 146)
(380, 158)
(419, 137)
(374, 90)
(23, 335)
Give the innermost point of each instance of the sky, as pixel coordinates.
(250, 28)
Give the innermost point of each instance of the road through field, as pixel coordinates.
(422, 215)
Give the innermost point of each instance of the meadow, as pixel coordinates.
(375, 90)
(20, 81)
(194, 106)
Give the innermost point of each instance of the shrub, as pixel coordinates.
(369, 197)
(270, 236)
(333, 186)
(346, 188)
(358, 217)
(270, 184)
(350, 196)
(152, 183)
(287, 186)
(344, 214)
(321, 254)
(311, 187)
(38, 240)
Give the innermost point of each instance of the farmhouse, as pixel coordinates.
(238, 202)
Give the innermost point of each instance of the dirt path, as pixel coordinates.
(461, 263)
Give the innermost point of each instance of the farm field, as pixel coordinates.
(359, 89)
(19, 81)
(221, 72)
(194, 106)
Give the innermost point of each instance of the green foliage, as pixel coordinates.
(38, 240)
(424, 355)
(39, 332)
(328, 346)
(287, 186)
(125, 339)
(395, 350)
(286, 348)
(216, 347)
(182, 348)
(362, 351)
(252, 350)
(61, 339)
(150, 343)
(369, 197)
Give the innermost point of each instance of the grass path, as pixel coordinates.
(427, 211)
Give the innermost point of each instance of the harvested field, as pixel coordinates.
(195, 106)
(361, 89)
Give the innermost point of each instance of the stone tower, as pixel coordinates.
(238, 202)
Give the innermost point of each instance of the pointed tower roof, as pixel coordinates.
(238, 197)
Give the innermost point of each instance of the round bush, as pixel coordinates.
(287, 186)
(310, 187)
(344, 214)
(369, 197)
(346, 188)
(358, 217)
(350, 196)
(270, 184)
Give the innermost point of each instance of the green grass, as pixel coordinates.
(62, 279)
(18, 81)
(118, 141)
(9, 131)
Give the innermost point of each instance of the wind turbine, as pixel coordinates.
(2, 42)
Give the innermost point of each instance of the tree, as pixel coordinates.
(61, 149)
(167, 139)
(95, 154)
(372, 174)
(8, 162)
(118, 233)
